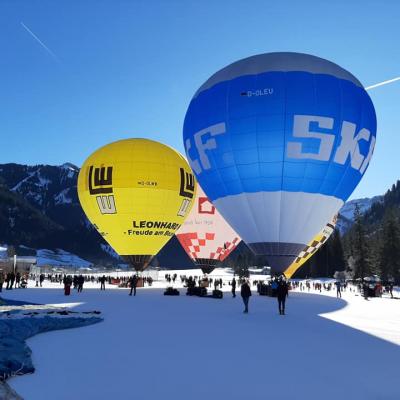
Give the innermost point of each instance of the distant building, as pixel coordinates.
(22, 264)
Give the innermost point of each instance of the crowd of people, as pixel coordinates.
(13, 280)
(276, 287)
(363, 287)
(279, 283)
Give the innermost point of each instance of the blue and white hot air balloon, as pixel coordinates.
(278, 142)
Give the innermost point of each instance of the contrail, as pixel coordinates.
(382, 83)
(40, 42)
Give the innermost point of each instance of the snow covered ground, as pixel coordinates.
(154, 347)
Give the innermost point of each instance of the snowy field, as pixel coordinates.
(157, 347)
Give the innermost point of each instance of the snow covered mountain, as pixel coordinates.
(346, 213)
(43, 186)
(39, 209)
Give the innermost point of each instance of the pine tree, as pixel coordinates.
(318, 264)
(336, 254)
(241, 267)
(360, 249)
(389, 254)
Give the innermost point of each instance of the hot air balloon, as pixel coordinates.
(316, 242)
(136, 193)
(205, 236)
(278, 142)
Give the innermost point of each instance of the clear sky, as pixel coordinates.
(78, 74)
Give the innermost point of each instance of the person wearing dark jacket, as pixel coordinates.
(41, 279)
(390, 290)
(17, 279)
(12, 280)
(233, 287)
(1, 280)
(67, 285)
(338, 289)
(81, 281)
(245, 292)
(133, 283)
(103, 282)
(282, 292)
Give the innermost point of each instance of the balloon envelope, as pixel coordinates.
(312, 247)
(278, 142)
(136, 193)
(205, 236)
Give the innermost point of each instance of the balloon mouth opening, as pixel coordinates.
(279, 255)
(207, 265)
(139, 262)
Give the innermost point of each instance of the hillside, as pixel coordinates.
(39, 209)
(346, 213)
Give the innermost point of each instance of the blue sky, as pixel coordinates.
(117, 69)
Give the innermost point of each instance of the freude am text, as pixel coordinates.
(156, 228)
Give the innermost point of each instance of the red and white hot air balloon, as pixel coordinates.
(206, 237)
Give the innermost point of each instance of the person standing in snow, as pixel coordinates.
(103, 282)
(281, 293)
(390, 289)
(233, 287)
(245, 292)
(216, 283)
(81, 280)
(1, 280)
(17, 279)
(7, 280)
(338, 289)
(12, 280)
(133, 283)
(67, 285)
(365, 289)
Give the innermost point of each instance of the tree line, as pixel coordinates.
(370, 247)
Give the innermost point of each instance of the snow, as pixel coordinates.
(346, 213)
(109, 250)
(71, 169)
(3, 252)
(153, 346)
(43, 182)
(364, 205)
(37, 197)
(19, 184)
(61, 258)
(62, 197)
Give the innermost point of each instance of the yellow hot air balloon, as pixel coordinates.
(312, 247)
(136, 193)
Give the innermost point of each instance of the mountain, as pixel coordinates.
(40, 209)
(390, 202)
(346, 213)
(373, 209)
